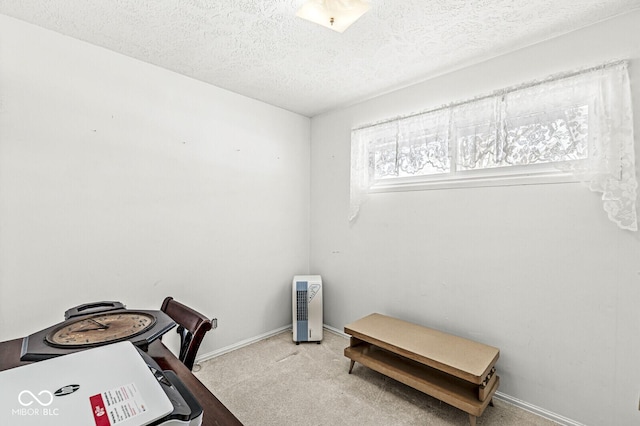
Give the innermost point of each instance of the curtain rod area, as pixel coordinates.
(501, 92)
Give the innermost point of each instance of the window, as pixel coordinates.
(576, 127)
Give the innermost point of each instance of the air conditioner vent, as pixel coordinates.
(302, 306)
(307, 308)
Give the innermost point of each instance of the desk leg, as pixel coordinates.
(351, 366)
(472, 420)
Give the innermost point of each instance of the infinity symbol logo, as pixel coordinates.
(35, 398)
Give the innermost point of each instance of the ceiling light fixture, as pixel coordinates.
(337, 15)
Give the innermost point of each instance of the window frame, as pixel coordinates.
(607, 166)
(476, 178)
(459, 175)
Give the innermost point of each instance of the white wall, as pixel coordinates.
(120, 180)
(123, 181)
(538, 271)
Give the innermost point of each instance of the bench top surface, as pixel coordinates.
(423, 344)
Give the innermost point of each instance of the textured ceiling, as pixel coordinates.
(260, 49)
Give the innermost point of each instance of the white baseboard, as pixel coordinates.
(498, 395)
(335, 331)
(241, 344)
(536, 410)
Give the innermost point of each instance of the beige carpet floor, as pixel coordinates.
(276, 382)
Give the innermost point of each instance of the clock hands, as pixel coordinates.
(90, 329)
(100, 326)
(99, 323)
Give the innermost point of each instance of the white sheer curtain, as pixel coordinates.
(616, 179)
(410, 146)
(581, 123)
(475, 131)
(423, 145)
(363, 144)
(595, 109)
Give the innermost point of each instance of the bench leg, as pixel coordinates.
(472, 420)
(351, 366)
(491, 403)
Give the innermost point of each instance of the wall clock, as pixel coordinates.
(99, 329)
(92, 325)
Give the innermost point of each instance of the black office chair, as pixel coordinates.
(192, 326)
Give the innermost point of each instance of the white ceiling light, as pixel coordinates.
(337, 15)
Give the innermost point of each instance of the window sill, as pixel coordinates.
(413, 184)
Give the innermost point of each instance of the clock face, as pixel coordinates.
(100, 329)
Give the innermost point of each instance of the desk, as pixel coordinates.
(215, 413)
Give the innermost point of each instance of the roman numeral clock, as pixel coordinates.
(96, 324)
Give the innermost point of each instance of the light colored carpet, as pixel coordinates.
(276, 382)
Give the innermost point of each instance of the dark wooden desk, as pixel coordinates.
(215, 413)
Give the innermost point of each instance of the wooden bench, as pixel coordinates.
(457, 371)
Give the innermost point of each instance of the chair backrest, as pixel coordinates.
(192, 326)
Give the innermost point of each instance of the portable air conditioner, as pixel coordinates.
(307, 308)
